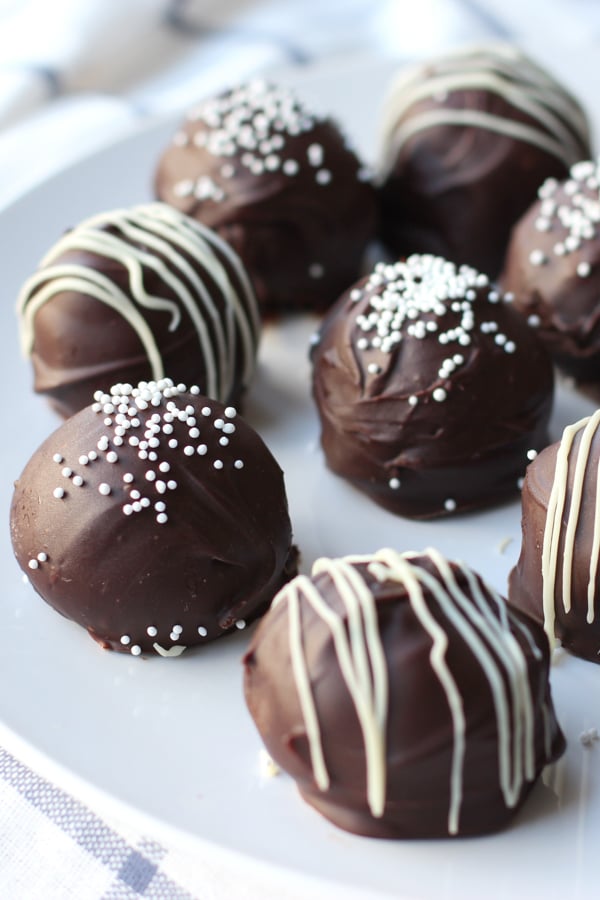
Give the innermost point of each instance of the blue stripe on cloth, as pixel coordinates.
(492, 23)
(136, 869)
(175, 17)
(50, 76)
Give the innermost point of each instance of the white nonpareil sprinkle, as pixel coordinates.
(104, 489)
(151, 631)
(394, 483)
(240, 624)
(537, 258)
(449, 504)
(59, 493)
(315, 154)
(202, 631)
(589, 737)
(584, 269)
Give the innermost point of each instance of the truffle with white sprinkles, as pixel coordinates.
(281, 185)
(553, 269)
(466, 140)
(403, 696)
(140, 562)
(430, 388)
(138, 293)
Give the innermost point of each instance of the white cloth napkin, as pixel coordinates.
(74, 74)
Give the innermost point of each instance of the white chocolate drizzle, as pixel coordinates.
(554, 529)
(482, 620)
(560, 125)
(171, 238)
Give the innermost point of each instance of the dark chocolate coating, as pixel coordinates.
(281, 185)
(420, 735)
(456, 190)
(422, 434)
(220, 553)
(553, 269)
(80, 343)
(526, 581)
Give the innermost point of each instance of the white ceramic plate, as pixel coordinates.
(172, 738)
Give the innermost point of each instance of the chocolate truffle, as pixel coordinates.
(553, 269)
(403, 696)
(431, 389)
(466, 141)
(557, 577)
(281, 185)
(156, 518)
(131, 294)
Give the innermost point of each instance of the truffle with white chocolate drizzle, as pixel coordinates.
(156, 518)
(553, 269)
(281, 183)
(557, 576)
(134, 294)
(465, 142)
(403, 695)
(431, 389)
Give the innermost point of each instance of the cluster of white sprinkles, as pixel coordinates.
(572, 206)
(131, 416)
(255, 128)
(414, 298)
(147, 418)
(250, 128)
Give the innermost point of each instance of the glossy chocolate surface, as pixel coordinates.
(132, 294)
(431, 389)
(156, 519)
(281, 185)
(467, 140)
(401, 697)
